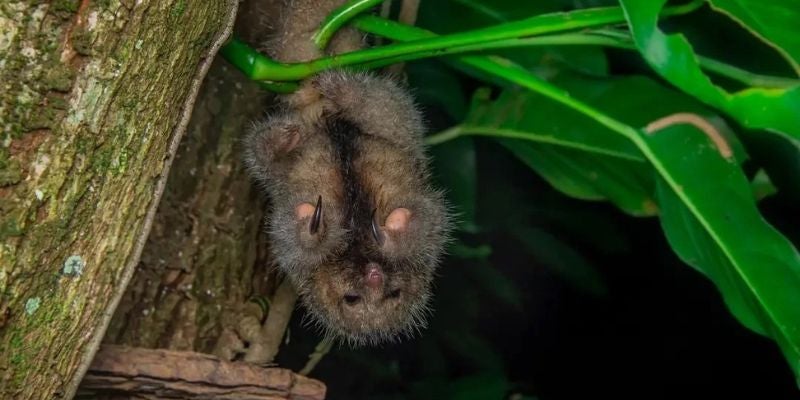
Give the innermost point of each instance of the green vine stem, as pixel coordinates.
(600, 37)
(256, 66)
(468, 130)
(259, 67)
(338, 18)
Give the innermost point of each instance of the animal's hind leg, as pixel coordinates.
(378, 105)
(270, 141)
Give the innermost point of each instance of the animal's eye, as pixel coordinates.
(394, 294)
(351, 298)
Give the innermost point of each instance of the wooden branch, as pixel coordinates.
(266, 346)
(156, 374)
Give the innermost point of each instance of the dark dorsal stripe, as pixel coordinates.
(345, 139)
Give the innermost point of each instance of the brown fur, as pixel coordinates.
(354, 139)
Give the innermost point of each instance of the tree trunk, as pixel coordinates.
(205, 277)
(94, 99)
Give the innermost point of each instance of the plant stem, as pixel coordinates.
(446, 135)
(469, 130)
(423, 43)
(565, 39)
(746, 77)
(258, 67)
(338, 18)
(609, 38)
(322, 348)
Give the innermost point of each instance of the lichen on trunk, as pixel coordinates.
(204, 261)
(205, 280)
(94, 98)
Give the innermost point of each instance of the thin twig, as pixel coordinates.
(323, 347)
(280, 312)
(408, 12)
(386, 9)
(408, 16)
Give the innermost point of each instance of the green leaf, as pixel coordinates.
(488, 384)
(638, 101)
(697, 248)
(589, 176)
(711, 219)
(571, 152)
(773, 21)
(780, 158)
(762, 186)
(716, 192)
(574, 153)
(571, 156)
(712, 222)
(673, 58)
(521, 114)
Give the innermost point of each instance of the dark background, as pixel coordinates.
(659, 329)
(596, 303)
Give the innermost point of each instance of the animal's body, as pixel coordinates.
(355, 223)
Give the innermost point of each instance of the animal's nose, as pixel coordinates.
(374, 276)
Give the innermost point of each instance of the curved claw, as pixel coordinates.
(317, 217)
(376, 232)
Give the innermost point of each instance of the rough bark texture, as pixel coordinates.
(92, 102)
(128, 373)
(198, 268)
(204, 280)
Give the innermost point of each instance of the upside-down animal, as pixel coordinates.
(355, 223)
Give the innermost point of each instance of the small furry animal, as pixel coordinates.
(355, 224)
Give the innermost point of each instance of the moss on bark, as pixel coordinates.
(91, 100)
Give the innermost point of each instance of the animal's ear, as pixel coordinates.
(269, 141)
(398, 219)
(393, 232)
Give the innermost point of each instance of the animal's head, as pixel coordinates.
(374, 282)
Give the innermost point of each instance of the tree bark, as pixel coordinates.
(95, 97)
(205, 282)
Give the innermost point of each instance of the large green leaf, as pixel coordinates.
(716, 193)
(710, 215)
(575, 157)
(588, 176)
(696, 247)
(574, 153)
(711, 219)
(521, 114)
(673, 58)
(712, 187)
(773, 21)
